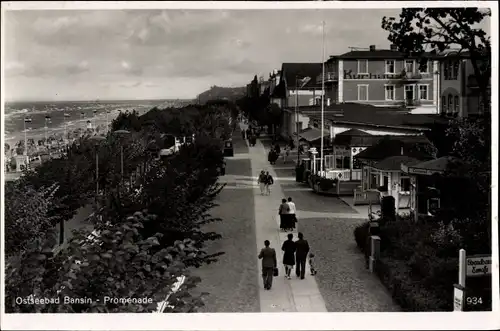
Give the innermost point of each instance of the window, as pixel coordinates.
(423, 92)
(363, 92)
(450, 103)
(405, 184)
(390, 66)
(443, 104)
(457, 104)
(409, 66)
(451, 69)
(427, 69)
(389, 92)
(362, 66)
(410, 92)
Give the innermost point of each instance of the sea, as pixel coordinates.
(81, 115)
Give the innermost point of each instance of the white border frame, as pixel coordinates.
(393, 90)
(367, 93)
(367, 70)
(387, 72)
(271, 321)
(419, 94)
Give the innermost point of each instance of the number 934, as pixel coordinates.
(474, 300)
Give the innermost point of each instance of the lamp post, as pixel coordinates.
(97, 140)
(314, 152)
(322, 104)
(121, 133)
(303, 82)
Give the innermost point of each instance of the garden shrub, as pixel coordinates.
(388, 208)
(361, 233)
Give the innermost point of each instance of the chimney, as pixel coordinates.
(394, 48)
(372, 48)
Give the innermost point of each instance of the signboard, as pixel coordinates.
(458, 297)
(478, 265)
(349, 74)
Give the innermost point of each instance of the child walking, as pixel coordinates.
(312, 265)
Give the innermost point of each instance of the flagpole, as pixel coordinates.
(322, 102)
(25, 143)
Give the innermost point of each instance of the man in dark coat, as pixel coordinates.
(269, 262)
(302, 249)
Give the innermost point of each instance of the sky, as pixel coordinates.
(170, 53)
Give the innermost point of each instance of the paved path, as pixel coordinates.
(293, 295)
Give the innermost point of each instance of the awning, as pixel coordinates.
(313, 134)
(429, 167)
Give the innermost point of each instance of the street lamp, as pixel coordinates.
(303, 82)
(97, 140)
(121, 133)
(314, 152)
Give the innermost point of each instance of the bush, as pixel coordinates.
(407, 291)
(388, 208)
(361, 233)
(326, 184)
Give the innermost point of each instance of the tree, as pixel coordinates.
(27, 224)
(120, 263)
(437, 29)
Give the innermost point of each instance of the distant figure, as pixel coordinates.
(269, 181)
(312, 264)
(277, 149)
(301, 255)
(262, 182)
(286, 154)
(269, 263)
(288, 248)
(283, 212)
(292, 218)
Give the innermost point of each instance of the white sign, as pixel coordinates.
(458, 298)
(478, 265)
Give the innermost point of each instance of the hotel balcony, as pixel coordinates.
(406, 76)
(329, 77)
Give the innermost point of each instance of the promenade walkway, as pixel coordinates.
(293, 295)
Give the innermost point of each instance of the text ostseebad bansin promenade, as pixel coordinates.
(67, 300)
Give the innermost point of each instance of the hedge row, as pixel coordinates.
(414, 287)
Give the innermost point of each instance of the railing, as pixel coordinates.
(366, 197)
(411, 75)
(356, 174)
(340, 174)
(329, 77)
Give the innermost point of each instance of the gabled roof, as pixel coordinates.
(313, 134)
(354, 133)
(393, 163)
(385, 54)
(439, 165)
(292, 70)
(395, 146)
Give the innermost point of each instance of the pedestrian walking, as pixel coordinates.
(286, 154)
(262, 182)
(288, 249)
(269, 181)
(269, 264)
(312, 264)
(292, 213)
(253, 140)
(277, 149)
(283, 212)
(243, 135)
(302, 249)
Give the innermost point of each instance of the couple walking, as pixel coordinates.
(265, 181)
(287, 212)
(295, 252)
